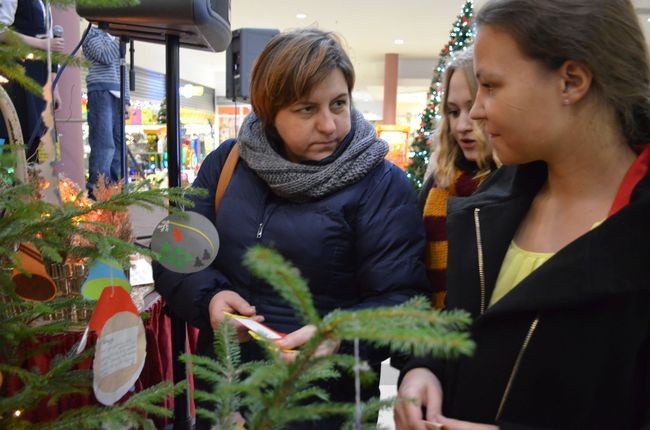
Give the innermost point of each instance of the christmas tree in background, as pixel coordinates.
(460, 37)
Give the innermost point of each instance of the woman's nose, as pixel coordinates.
(477, 112)
(325, 123)
(464, 123)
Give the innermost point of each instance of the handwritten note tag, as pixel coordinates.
(119, 357)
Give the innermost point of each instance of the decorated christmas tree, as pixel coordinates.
(461, 36)
(38, 233)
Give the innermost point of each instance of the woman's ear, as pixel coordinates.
(576, 78)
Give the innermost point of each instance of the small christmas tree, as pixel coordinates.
(22, 326)
(272, 393)
(461, 36)
(49, 227)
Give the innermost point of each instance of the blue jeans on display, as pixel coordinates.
(103, 137)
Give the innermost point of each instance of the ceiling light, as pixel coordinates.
(398, 41)
(301, 16)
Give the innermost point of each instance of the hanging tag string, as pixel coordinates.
(357, 386)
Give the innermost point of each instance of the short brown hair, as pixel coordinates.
(291, 65)
(604, 35)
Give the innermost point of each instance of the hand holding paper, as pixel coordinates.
(230, 302)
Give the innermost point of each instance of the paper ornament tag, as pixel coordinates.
(256, 327)
(121, 345)
(119, 357)
(111, 301)
(187, 242)
(103, 273)
(38, 287)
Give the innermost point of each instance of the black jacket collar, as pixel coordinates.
(609, 260)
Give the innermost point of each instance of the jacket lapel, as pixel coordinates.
(606, 261)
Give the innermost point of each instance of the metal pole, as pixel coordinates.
(182, 418)
(173, 110)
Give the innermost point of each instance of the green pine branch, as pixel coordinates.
(273, 393)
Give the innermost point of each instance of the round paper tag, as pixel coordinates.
(187, 242)
(119, 357)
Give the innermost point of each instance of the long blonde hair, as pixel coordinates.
(443, 159)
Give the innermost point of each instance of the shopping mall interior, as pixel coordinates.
(395, 48)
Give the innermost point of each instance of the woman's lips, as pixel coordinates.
(467, 143)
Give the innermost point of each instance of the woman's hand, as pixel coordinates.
(423, 386)
(231, 302)
(57, 44)
(298, 338)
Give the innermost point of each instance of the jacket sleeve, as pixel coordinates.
(389, 247)
(99, 47)
(188, 295)
(390, 243)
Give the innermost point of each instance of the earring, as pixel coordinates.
(565, 102)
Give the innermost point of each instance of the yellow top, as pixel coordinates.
(517, 264)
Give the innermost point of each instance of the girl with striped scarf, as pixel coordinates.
(458, 165)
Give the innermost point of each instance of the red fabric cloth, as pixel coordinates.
(158, 365)
(635, 173)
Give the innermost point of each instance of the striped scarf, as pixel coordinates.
(435, 218)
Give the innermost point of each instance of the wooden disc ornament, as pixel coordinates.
(187, 242)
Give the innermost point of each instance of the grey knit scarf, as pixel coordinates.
(303, 182)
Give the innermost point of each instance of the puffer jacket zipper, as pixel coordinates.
(531, 329)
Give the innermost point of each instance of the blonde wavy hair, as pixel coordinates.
(443, 159)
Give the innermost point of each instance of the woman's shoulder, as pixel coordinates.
(220, 153)
(389, 181)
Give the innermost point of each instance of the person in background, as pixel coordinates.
(551, 257)
(28, 20)
(459, 164)
(312, 182)
(104, 107)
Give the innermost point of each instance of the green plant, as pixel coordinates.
(272, 393)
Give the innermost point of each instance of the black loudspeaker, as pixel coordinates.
(246, 45)
(200, 24)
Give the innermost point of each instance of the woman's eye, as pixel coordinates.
(454, 113)
(306, 109)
